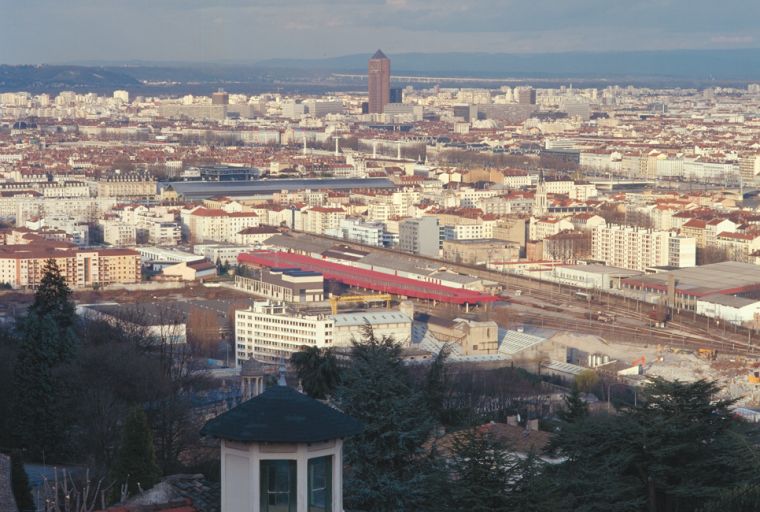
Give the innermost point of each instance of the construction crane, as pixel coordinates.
(379, 297)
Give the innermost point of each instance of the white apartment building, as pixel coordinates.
(516, 179)
(270, 331)
(321, 220)
(638, 248)
(540, 229)
(355, 230)
(579, 191)
(682, 251)
(118, 233)
(469, 231)
(471, 198)
(202, 224)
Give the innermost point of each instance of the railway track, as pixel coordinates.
(679, 333)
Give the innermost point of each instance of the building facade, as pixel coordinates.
(379, 82)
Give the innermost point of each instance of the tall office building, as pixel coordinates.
(525, 95)
(379, 82)
(220, 97)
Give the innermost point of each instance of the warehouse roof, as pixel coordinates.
(726, 278)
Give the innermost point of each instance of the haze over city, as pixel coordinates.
(47, 31)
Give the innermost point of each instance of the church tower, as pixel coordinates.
(540, 203)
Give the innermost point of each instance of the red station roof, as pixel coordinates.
(369, 279)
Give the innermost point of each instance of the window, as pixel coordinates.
(278, 486)
(320, 484)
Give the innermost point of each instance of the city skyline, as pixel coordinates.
(232, 30)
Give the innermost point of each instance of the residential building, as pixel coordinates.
(638, 248)
(202, 224)
(420, 236)
(22, 266)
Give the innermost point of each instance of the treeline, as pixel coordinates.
(678, 449)
(84, 392)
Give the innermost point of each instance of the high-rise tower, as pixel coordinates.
(379, 82)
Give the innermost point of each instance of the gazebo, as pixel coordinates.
(282, 451)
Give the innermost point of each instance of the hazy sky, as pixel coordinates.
(52, 31)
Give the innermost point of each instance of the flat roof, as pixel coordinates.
(725, 278)
(730, 300)
(370, 317)
(596, 268)
(205, 189)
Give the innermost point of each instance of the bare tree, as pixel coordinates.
(65, 494)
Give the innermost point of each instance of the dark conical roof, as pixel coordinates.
(282, 415)
(379, 55)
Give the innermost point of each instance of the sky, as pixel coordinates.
(65, 31)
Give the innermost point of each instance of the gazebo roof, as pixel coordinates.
(282, 415)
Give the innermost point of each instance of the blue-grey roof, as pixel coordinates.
(282, 415)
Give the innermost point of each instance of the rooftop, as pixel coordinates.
(726, 278)
(282, 415)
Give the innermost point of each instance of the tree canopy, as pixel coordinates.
(136, 462)
(677, 449)
(388, 467)
(53, 296)
(317, 370)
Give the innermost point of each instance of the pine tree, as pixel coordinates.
(318, 371)
(53, 297)
(20, 485)
(136, 461)
(40, 414)
(677, 450)
(436, 382)
(388, 466)
(575, 409)
(483, 472)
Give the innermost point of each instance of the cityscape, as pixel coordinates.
(407, 278)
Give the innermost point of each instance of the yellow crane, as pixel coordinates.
(378, 297)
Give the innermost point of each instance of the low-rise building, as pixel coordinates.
(271, 331)
(480, 252)
(288, 285)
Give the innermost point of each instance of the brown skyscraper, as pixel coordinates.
(379, 79)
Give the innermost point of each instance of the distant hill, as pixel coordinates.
(686, 68)
(741, 64)
(58, 78)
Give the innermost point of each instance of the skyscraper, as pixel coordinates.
(379, 82)
(525, 95)
(220, 98)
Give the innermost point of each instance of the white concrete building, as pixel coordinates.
(270, 331)
(638, 248)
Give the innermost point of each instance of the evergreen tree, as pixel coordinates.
(136, 461)
(436, 383)
(22, 492)
(675, 451)
(388, 468)
(40, 413)
(483, 471)
(575, 409)
(53, 297)
(318, 371)
(738, 499)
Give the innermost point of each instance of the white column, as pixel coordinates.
(302, 479)
(338, 477)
